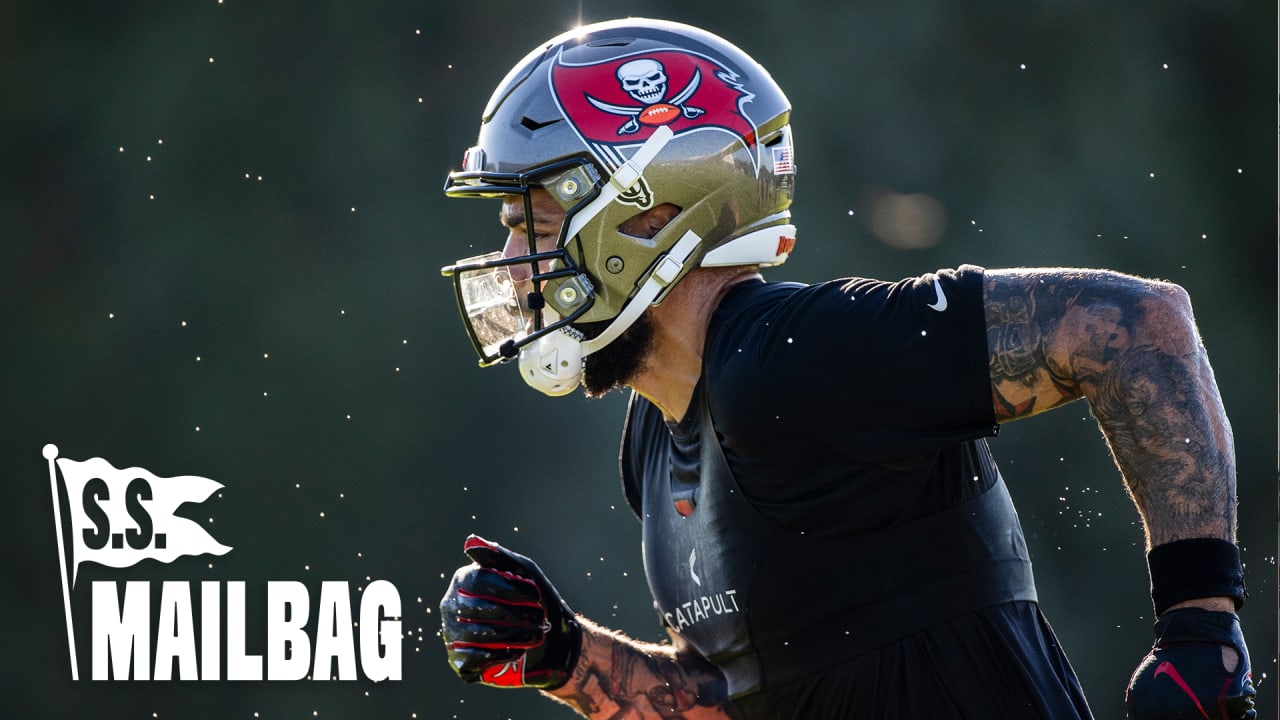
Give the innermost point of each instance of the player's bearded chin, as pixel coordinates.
(613, 366)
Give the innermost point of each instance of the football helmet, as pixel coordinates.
(612, 119)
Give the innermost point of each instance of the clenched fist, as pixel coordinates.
(1197, 670)
(504, 624)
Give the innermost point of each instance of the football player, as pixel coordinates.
(826, 534)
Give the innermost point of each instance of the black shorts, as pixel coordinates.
(998, 663)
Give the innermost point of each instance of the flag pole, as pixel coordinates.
(50, 454)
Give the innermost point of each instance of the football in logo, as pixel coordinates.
(660, 114)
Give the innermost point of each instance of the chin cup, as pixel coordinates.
(552, 364)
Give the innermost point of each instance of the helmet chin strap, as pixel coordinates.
(621, 180)
(668, 270)
(552, 364)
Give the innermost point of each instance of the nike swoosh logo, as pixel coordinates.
(1167, 668)
(942, 297)
(693, 557)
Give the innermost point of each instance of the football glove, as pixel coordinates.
(1198, 669)
(504, 624)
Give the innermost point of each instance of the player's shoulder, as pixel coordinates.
(770, 315)
(757, 298)
(790, 338)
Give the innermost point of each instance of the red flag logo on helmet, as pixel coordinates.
(621, 101)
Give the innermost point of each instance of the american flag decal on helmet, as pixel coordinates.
(784, 160)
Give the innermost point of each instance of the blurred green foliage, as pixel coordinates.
(222, 227)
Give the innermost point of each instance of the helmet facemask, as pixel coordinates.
(498, 322)
(549, 348)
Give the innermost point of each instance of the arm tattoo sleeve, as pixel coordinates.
(617, 677)
(1131, 348)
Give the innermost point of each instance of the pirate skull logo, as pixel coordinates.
(645, 80)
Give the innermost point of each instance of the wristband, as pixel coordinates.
(1197, 568)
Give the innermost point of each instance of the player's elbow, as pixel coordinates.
(1166, 319)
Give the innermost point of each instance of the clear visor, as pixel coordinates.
(491, 304)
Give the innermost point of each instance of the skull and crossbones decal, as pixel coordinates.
(645, 80)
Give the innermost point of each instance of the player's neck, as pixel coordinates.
(680, 331)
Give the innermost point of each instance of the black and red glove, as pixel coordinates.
(504, 624)
(1197, 670)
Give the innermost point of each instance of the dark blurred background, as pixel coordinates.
(222, 227)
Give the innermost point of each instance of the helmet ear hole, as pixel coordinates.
(646, 224)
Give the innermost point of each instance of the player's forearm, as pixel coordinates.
(619, 677)
(1129, 346)
(1159, 408)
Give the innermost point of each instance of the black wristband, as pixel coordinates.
(1197, 568)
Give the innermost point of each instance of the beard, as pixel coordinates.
(617, 363)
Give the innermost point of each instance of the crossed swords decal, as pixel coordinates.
(633, 112)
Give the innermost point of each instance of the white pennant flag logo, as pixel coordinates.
(110, 509)
(120, 517)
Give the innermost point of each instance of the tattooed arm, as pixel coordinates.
(617, 677)
(1130, 347)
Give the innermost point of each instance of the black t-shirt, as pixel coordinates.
(845, 408)
(842, 406)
